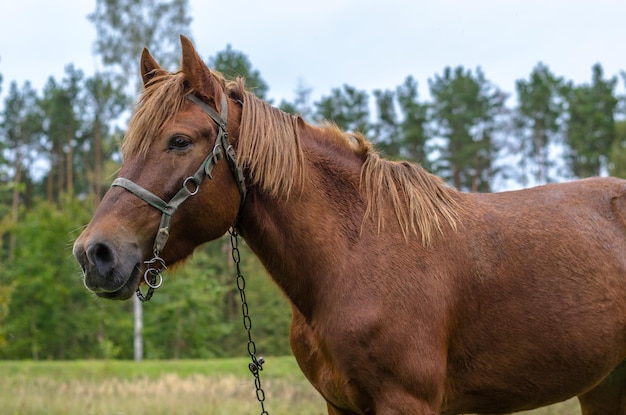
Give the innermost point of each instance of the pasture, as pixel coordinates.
(171, 387)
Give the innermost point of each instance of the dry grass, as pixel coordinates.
(169, 394)
(570, 407)
(97, 388)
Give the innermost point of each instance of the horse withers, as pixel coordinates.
(408, 296)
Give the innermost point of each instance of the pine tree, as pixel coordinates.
(61, 126)
(234, 64)
(590, 130)
(466, 108)
(348, 107)
(385, 131)
(538, 119)
(20, 132)
(103, 103)
(301, 104)
(125, 27)
(617, 156)
(414, 125)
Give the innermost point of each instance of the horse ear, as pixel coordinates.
(149, 67)
(196, 72)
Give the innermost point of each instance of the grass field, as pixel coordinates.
(181, 387)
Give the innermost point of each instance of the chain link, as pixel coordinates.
(256, 365)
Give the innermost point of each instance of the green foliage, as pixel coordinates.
(196, 314)
(465, 110)
(103, 104)
(301, 103)
(591, 124)
(269, 310)
(538, 121)
(213, 268)
(401, 130)
(125, 27)
(234, 64)
(385, 132)
(185, 315)
(20, 132)
(60, 109)
(5, 302)
(48, 315)
(348, 107)
(617, 157)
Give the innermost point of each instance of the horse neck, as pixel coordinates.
(302, 239)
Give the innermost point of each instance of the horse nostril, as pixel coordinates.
(102, 256)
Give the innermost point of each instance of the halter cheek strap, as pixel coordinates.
(190, 187)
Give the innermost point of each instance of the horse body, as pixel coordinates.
(407, 296)
(359, 337)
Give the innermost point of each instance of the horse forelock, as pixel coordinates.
(160, 101)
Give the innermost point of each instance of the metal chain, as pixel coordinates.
(256, 365)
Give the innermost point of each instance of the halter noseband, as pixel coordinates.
(190, 187)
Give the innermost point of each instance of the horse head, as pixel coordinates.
(172, 193)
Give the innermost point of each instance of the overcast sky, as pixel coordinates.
(327, 43)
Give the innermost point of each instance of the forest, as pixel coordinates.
(59, 152)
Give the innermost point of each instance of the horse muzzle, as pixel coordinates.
(109, 271)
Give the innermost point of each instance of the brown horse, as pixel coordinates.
(408, 297)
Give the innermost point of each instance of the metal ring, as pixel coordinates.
(193, 179)
(153, 272)
(217, 152)
(156, 259)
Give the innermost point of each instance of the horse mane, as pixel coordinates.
(269, 146)
(421, 200)
(269, 149)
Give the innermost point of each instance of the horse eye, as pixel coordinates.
(178, 142)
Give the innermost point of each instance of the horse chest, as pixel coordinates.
(321, 367)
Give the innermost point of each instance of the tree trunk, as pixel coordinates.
(60, 172)
(15, 205)
(34, 345)
(69, 162)
(138, 340)
(97, 170)
(69, 167)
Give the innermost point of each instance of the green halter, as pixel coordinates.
(190, 187)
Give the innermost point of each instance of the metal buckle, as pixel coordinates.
(195, 182)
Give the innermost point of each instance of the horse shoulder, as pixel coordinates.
(319, 366)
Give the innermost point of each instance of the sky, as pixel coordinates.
(328, 43)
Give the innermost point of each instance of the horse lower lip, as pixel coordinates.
(128, 285)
